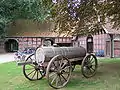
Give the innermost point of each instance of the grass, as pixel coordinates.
(107, 78)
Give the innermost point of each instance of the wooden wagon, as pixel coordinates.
(57, 63)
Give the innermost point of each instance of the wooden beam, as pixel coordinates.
(111, 45)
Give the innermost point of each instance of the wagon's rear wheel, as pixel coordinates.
(89, 66)
(33, 71)
(58, 71)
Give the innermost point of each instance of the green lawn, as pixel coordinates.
(107, 78)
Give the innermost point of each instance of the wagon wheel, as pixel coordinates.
(33, 71)
(89, 66)
(58, 71)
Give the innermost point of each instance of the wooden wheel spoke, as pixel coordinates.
(91, 58)
(58, 64)
(52, 74)
(61, 62)
(66, 68)
(63, 65)
(37, 74)
(89, 71)
(60, 79)
(92, 68)
(54, 79)
(86, 62)
(31, 72)
(93, 65)
(88, 59)
(92, 61)
(33, 75)
(63, 77)
(55, 65)
(66, 73)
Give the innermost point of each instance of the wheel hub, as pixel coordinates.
(59, 72)
(37, 69)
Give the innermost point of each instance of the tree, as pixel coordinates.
(76, 16)
(84, 16)
(111, 10)
(11, 10)
(69, 16)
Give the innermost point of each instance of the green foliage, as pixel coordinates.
(74, 17)
(11, 10)
(111, 9)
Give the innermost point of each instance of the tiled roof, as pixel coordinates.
(28, 28)
(41, 34)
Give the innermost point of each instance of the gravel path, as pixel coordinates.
(7, 57)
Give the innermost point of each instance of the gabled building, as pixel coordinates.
(26, 33)
(105, 42)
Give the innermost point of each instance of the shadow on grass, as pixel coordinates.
(107, 72)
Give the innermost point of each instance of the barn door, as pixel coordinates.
(11, 45)
(107, 48)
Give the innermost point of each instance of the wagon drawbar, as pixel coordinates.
(57, 63)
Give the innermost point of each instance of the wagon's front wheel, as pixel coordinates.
(89, 66)
(33, 71)
(58, 71)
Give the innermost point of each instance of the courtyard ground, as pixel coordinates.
(107, 78)
(6, 57)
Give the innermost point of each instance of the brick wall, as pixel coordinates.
(38, 41)
(99, 43)
(29, 42)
